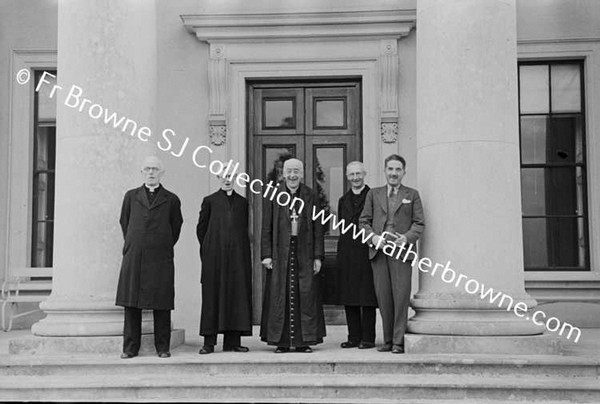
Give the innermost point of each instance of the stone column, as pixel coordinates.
(468, 174)
(108, 49)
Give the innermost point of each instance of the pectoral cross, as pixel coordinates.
(294, 218)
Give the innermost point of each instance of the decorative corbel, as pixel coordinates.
(217, 82)
(388, 71)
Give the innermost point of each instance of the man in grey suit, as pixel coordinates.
(394, 214)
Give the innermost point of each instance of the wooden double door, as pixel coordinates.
(318, 122)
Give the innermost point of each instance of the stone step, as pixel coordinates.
(186, 361)
(199, 387)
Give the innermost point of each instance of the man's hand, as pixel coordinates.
(316, 266)
(376, 241)
(401, 240)
(267, 263)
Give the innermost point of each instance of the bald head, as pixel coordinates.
(293, 172)
(152, 171)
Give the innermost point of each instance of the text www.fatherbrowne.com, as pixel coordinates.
(406, 252)
(75, 100)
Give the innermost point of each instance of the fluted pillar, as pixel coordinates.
(108, 50)
(468, 167)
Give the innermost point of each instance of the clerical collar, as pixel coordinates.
(228, 193)
(359, 191)
(292, 192)
(151, 188)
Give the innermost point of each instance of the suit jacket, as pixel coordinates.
(408, 217)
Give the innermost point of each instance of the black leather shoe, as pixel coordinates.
(349, 344)
(128, 355)
(164, 354)
(385, 348)
(366, 345)
(206, 349)
(305, 349)
(282, 349)
(397, 349)
(238, 348)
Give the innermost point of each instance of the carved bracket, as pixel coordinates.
(218, 134)
(388, 73)
(389, 132)
(217, 83)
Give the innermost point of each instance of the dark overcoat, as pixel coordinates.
(147, 276)
(226, 278)
(354, 268)
(275, 244)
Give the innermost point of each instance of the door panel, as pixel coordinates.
(332, 111)
(319, 125)
(279, 111)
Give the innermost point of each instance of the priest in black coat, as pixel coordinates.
(226, 268)
(357, 292)
(151, 222)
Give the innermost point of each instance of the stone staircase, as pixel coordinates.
(327, 375)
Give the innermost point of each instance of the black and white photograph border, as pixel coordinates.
(393, 201)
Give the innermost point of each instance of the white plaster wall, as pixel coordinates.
(557, 19)
(39, 33)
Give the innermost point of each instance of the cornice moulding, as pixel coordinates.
(285, 26)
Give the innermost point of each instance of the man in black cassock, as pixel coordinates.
(226, 268)
(151, 222)
(357, 292)
(292, 251)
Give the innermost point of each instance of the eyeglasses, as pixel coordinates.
(148, 169)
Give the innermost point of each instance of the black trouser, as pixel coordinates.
(231, 339)
(361, 328)
(132, 330)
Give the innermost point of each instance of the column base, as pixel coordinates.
(102, 345)
(461, 344)
(68, 317)
(459, 314)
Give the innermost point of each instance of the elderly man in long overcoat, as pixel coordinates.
(151, 222)
(222, 231)
(292, 251)
(356, 288)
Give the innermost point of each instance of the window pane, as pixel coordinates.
(534, 91)
(45, 144)
(330, 113)
(329, 178)
(274, 157)
(533, 139)
(535, 243)
(561, 191)
(533, 191)
(565, 142)
(279, 113)
(46, 105)
(566, 91)
(567, 244)
(43, 244)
